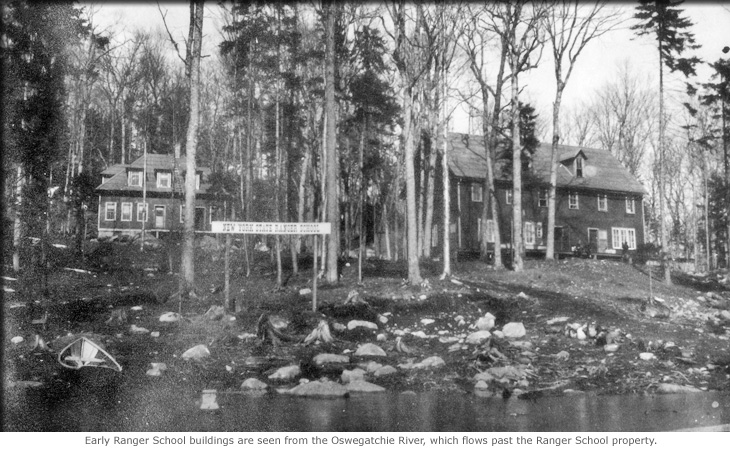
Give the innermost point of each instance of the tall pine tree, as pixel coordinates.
(663, 20)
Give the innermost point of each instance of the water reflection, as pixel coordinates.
(164, 408)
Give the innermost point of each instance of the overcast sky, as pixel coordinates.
(597, 65)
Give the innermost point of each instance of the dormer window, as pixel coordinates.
(134, 178)
(164, 179)
(579, 166)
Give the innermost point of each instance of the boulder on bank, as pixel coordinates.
(197, 353)
(286, 373)
(322, 389)
(514, 330)
(369, 350)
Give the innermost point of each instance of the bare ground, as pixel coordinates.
(683, 327)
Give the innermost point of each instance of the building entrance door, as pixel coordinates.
(159, 217)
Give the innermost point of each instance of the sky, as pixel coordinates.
(597, 65)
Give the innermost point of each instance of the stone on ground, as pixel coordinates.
(363, 386)
(196, 353)
(671, 388)
(253, 384)
(286, 373)
(385, 370)
(330, 358)
(352, 375)
(323, 389)
(478, 337)
(369, 350)
(514, 330)
(486, 322)
(352, 324)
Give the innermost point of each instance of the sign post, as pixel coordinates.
(247, 227)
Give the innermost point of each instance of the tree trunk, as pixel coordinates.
(665, 242)
(552, 190)
(333, 205)
(195, 40)
(516, 174)
(18, 222)
(414, 274)
(429, 199)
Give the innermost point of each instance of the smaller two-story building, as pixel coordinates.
(598, 202)
(148, 194)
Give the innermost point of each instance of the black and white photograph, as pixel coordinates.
(392, 223)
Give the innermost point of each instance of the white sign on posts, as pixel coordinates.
(247, 227)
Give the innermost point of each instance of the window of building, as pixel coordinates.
(529, 233)
(602, 203)
(476, 192)
(110, 211)
(197, 181)
(490, 231)
(630, 205)
(539, 230)
(164, 179)
(573, 201)
(126, 211)
(134, 179)
(141, 211)
(623, 235)
(508, 195)
(579, 166)
(542, 197)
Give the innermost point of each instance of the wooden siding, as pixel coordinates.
(171, 221)
(575, 223)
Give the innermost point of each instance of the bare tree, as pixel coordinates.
(195, 40)
(624, 116)
(520, 29)
(570, 26)
(333, 206)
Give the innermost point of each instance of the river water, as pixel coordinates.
(166, 408)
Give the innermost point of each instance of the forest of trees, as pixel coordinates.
(338, 111)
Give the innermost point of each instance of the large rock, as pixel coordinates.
(432, 361)
(286, 373)
(370, 366)
(485, 323)
(500, 373)
(671, 388)
(170, 317)
(196, 353)
(330, 358)
(385, 370)
(352, 375)
(363, 386)
(369, 350)
(157, 369)
(352, 324)
(322, 389)
(478, 337)
(253, 384)
(514, 330)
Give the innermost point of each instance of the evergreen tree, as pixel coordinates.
(35, 44)
(663, 20)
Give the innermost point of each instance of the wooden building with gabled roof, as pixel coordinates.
(153, 184)
(598, 202)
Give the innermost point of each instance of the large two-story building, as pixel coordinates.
(148, 193)
(599, 202)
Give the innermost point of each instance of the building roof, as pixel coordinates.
(155, 163)
(602, 171)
